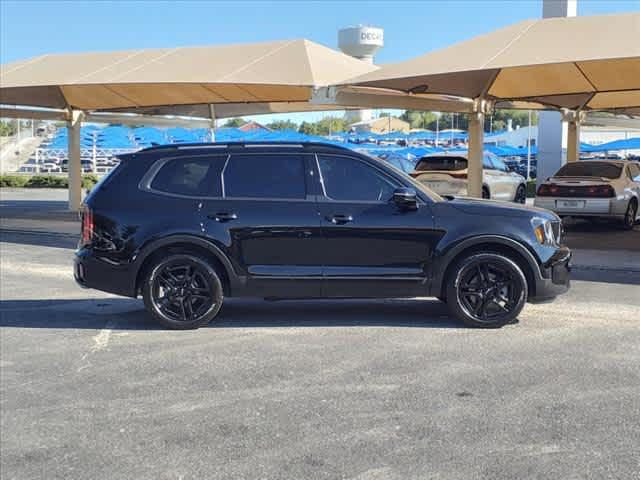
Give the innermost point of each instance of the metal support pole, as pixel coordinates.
(573, 141)
(476, 145)
(75, 166)
(529, 149)
(212, 114)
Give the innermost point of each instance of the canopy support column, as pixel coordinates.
(573, 141)
(74, 122)
(574, 120)
(476, 147)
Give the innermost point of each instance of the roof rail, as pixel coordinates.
(249, 144)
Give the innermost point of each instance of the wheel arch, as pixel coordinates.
(187, 244)
(488, 243)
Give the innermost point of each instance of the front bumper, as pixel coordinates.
(555, 279)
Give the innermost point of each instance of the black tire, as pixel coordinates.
(486, 194)
(521, 195)
(630, 215)
(486, 290)
(182, 291)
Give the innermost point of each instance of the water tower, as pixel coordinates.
(361, 42)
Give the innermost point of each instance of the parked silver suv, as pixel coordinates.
(446, 174)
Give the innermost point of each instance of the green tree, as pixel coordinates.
(7, 129)
(324, 127)
(282, 125)
(235, 122)
(308, 128)
(500, 119)
(418, 119)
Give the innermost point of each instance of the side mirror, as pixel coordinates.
(405, 198)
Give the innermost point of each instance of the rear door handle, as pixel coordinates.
(340, 219)
(223, 216)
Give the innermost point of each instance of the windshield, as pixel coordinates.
(442, 162)
(590, 169)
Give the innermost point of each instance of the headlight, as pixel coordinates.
(543, 230)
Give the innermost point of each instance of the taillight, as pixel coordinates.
(87, 225)
(605, 191)
(458, 175)
(579, 191)
(545, 190)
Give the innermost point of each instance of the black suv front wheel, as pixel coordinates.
(182, 292)
(486, 290)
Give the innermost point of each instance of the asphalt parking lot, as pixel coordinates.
(396, 389)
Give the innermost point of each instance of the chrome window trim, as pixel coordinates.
(324, 190)
(224, 168)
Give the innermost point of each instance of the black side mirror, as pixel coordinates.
(405, 198)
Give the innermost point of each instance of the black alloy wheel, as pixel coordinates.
(521, 195)
(183, 292)
(630, 215)
(488, 289)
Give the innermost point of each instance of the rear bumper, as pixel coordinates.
(444, 186)
(91, 271)
(555, 279)
(596, 207)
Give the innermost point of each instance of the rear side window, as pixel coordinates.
(265, 176)
(444, 162)
(488, 162)
(634, 172)
(498, 164)
(196, 176)
(347, 179)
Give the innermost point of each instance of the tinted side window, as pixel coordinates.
(265, 176)
(487, 162)
(634, 171)
(195, 176)
(499, 164)
(348, 179)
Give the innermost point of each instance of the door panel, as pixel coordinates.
(373, 249)
(382, 251)
(273, 241)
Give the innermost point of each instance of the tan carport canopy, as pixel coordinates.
(280, 71)
(575, 63)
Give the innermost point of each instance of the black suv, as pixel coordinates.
(187, 225)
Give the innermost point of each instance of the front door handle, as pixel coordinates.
(340, 219)
(223, 216)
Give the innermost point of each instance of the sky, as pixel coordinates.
(411, 28)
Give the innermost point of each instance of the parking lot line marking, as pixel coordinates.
(100, 342)
(38, 270)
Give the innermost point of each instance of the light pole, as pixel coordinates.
(529, 149)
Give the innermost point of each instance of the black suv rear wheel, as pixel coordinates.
(182, 292)
(486, 290)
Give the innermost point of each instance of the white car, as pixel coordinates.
(446, 174)
(594, 188)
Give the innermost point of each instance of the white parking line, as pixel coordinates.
(100, 342)
(37, 269)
